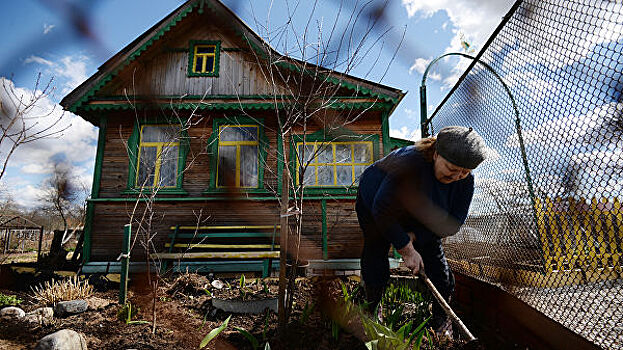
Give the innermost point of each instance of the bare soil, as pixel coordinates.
(185, 315)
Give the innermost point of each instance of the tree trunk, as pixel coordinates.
(283, 236)
(78, 252)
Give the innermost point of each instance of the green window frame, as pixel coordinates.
(241, 140)
(331, 139)
(139, 144)
(204, 58)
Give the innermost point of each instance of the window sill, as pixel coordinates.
(331, 190)
(177, 191)
(193, 74)
(238, 190)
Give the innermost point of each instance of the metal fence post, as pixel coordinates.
(125, 264)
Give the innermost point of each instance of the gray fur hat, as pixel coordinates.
(461, 146)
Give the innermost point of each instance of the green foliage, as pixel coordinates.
(243, 288)
(250, 337)
(9, 300)
(266, 326)
(393, 301)
(384, 338)
(396, 295)
(345, 310)
(213, 333)
(265, 287)
(127, 312)
(335, 329)
(307, 311)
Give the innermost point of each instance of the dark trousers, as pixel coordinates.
(375, 264)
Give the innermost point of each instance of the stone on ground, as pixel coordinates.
(42, 315)
(65, 339)
(66, 308)
(12, 312)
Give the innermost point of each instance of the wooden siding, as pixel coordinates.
(343, 231)
(162, 69)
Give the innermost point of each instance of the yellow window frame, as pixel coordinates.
(205, 56)
(314, 163)
(237, 144)
(159, 146)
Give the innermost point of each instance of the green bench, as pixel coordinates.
(249, 248)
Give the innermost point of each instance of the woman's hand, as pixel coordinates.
(412, 259)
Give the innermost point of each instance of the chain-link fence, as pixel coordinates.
(546, 222)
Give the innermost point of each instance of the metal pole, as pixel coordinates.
(40, 239)
(423, 109)
(125, 264)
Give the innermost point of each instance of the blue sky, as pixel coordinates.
(42, 39)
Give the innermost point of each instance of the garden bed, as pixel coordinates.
(320, 318)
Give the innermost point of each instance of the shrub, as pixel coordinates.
(9, 300)
(55, 291)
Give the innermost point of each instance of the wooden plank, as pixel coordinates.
(599, 232)
(611, 221)
(590, 240)
(547, 257)
(580, 251)
(566, 236)
(555, 234)
(224, 235)
(202, 228)
(221, 246)
(217, 255)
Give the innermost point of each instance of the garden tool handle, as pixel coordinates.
(447, 308)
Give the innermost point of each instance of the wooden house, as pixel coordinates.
(201, 74)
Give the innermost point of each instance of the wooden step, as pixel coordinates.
(204, 228)
(223, 235)
(217, 255)
(222, 246)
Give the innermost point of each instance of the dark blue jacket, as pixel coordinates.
(402, 195)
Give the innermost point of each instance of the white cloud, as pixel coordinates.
(48, 28)
(75, 144)
(598, 173)
(491, 155)
(411, 114)
(476, 18)
(38, 60)
(406, 134)
(435, 76)
(594, 31)
(571, 130)
(419, 65)
(73, 69)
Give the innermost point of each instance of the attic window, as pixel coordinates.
(203, 58)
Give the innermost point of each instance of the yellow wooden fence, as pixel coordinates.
(580, 234)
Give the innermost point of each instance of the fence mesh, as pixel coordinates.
(546, 221)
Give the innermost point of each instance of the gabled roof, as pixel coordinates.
(107, 71)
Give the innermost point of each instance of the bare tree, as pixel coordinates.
(24, 118)
(60, 192)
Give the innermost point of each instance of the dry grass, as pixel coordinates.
(69, 289)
